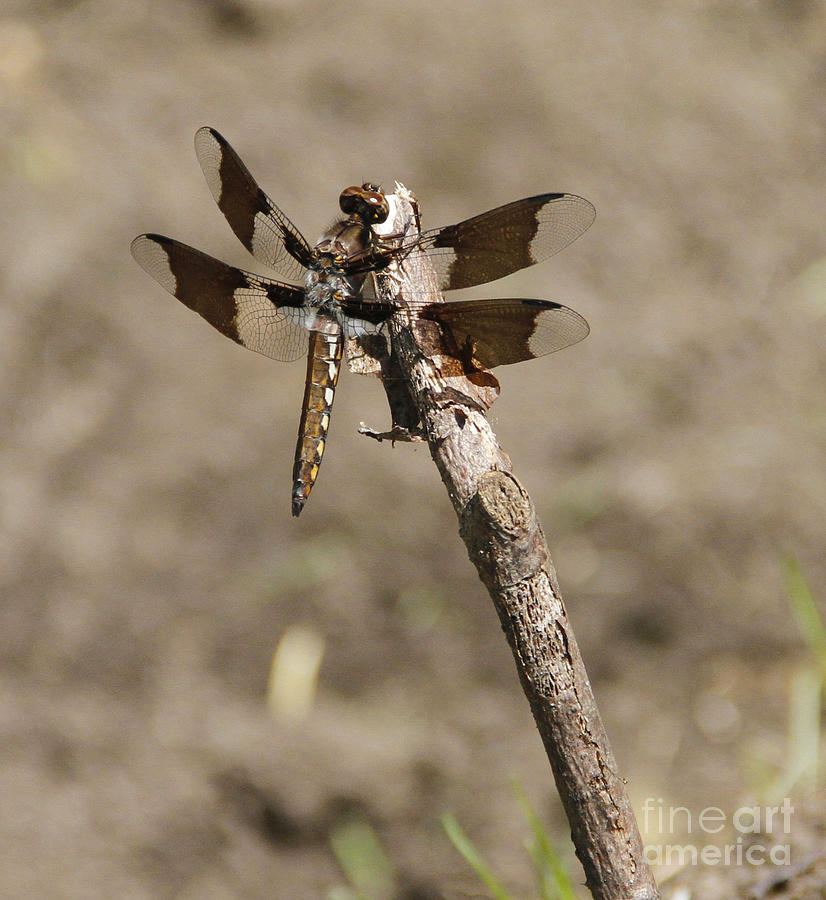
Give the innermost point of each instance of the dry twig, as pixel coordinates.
(504, 539)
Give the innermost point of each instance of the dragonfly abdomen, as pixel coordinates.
(323, 365)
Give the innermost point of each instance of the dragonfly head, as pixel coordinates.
(367, 203)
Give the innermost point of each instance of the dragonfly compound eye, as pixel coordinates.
(366, 202)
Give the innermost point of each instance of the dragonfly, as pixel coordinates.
(319, 301)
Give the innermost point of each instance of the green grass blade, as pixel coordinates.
(804, 728)
(466, 847)
(363, 860)
(550, 869)
(808, 616)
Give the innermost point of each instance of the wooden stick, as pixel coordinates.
(504, 539)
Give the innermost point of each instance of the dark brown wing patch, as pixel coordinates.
(257, 222)
(500, 332)
(261, 314)
(504, 240)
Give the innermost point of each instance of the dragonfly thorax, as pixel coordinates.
(330, 273)
(328, 286)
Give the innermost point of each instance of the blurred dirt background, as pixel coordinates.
(149, 562)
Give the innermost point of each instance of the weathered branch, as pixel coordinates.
(504, 539)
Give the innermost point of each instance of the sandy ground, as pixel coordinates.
(149, 566)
